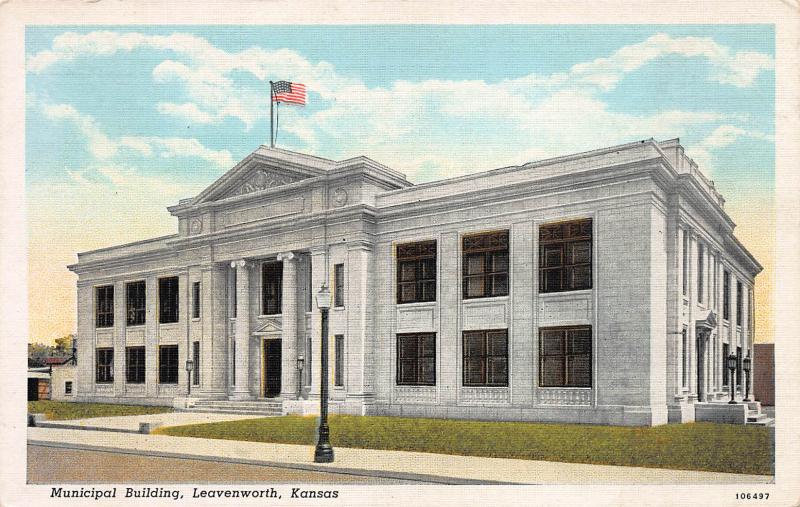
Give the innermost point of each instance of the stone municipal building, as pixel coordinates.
(604, 287)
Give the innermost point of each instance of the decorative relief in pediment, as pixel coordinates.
(271, 325)
(261, 179)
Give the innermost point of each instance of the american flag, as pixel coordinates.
(292, 93)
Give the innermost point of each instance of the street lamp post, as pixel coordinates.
(300, 364)
(189, 368)
(323, 452)
(732, 368)
(746, 368)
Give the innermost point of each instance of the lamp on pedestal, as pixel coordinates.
(323, 452)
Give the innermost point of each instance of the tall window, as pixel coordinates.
(134, 365)
(309, 288)
(68, 387)
(308, 366)
(700, 275)
(485, 265)
(168, 364)
(338, 369)
(485, 358)
(104, 306)
(416, 272)
(135, 295)
(105, 366)
(565, 256)
(416, 359)
(685, 272)
(685, 358)
(725, 372)
(565, 357)
(196, 300)
(738, 366)
(338, 285)
(271, 287)
(168, 300)
(233, 294)
(196, 361)
(726, 295)
(739, 300)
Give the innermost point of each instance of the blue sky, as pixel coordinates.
(124, 120)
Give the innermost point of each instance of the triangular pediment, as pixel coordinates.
(264, 169)
(272, 325)
(707, 320)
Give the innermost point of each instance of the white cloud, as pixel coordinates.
(721, 137)
(187, 110)
(105, 148)
(458, 125)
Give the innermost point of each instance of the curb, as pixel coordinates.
(382, 474)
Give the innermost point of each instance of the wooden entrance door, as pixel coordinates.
(272, 368)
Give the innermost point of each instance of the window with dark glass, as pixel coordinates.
(168, 300)
(104, 306)
(485, 355)
(725, 371)
(685, 357)
(168, 364)
(485, 265)
(565, 256)
(739, 300)
(233, 294)
(700, 275)
(271, 287)
(134, 365)
(416, 359)
(196, 361)
(338, 285)
(338, 369)
(726, 295)
(105, 366)
(135, 295)
(416, 272)
(738, 366)
(565, 357)
(68, 387)
(196, 300)
(309, 288)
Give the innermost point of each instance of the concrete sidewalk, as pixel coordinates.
(425, 467)
(130, 423)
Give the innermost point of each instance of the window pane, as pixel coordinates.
(408, 292)
(428, 291)
(580, 341)
(580, 277)
(427, 373)
(551, 256)
(474, 264)
(497, 371)
(552, 370)
(475, 286)
(473, 344)
(499, 285)
(428, 268)
(473, 373)
(408, 371)
(551, 280)
(427, 345)
(579, 370)
(552, 342)
(408, 346)
(498, 262)
(408, 271)
(579, 252)
(498, 344)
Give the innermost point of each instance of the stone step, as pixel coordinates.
(763, 421)
(251, 404)
(254, 413)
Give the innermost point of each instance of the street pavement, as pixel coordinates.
(130, 423)
(410, 466)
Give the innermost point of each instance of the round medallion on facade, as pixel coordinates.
(196, 226)
(340, 197)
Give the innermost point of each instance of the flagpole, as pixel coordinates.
(271, 136)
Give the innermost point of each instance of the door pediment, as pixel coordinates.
(271, 326)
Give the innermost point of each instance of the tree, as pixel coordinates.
(37, 352)
(64, 345)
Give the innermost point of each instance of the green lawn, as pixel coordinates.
(695, 446)
(59, 410)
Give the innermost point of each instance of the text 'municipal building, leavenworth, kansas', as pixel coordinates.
(604, 287)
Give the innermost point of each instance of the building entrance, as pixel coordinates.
(272, 368)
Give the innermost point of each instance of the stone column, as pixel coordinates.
(693, 362)
(215, 353)
(120, 315)
(318, 261)
(289, 318)
(241, 390)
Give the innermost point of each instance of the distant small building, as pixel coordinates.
(62, 378)
(39, 383)
(764, 373)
